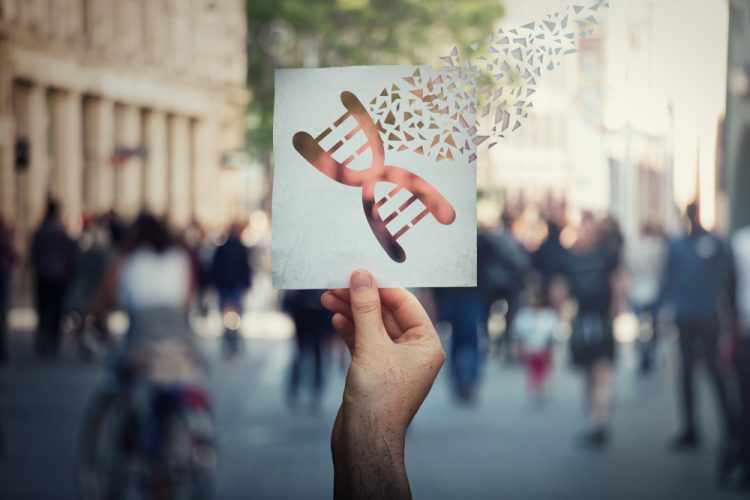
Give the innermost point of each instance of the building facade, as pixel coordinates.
(631, 124)
(121, 104)
(737, 127)
(558, 157)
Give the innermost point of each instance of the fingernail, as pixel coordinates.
(361, 281)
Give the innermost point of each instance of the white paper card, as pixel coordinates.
(372, 171)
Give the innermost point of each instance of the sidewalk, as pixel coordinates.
(504, 447)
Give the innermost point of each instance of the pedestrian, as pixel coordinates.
(502, 268)
(548, 260)
(463, 309)
(644, 263)
(591, 272)
(8, 259)
(53, 259)
(93, 256)
(231, 274)
(534, 330)
(116, 227)
(201, 252)
(696, 280)
(612, 238)
(312, 324)
(740, 302)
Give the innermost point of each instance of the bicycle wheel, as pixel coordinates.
(187, 463)
(107, 446)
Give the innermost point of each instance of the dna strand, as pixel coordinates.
(367, 178)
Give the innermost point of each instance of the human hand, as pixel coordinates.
(396, 355)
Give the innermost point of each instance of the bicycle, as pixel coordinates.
(151, 435)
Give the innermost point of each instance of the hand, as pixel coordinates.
(396, 355)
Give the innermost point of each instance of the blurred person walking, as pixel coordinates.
(116, 227)
(549, 259)
(591, 273)
(463, 309)
(8, 259)
(92, 260)
(740, 245)
(201, 254)
(612, 238)
(696, 281)
(502, 268)
(231, 274)
(644, 262)
(535, 331)
(53, 259)
(312, 324)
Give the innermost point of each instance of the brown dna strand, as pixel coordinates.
(367, 178)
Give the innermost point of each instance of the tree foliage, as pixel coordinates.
(296, 33)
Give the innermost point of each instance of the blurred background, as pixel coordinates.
(136, 159)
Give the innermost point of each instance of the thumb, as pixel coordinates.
(366, 309)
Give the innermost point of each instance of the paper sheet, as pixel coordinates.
(374, 168)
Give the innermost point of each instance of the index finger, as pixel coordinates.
(406, 309)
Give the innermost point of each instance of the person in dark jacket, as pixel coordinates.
(696, 280)
(231, 275)
(312, 324)
(740, 308)
(463, 309)
(550, 258)
(8, 258)
(53, 255)
(502, 268)
(591, 272)
(92, 259)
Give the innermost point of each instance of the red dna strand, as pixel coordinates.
(369, 177)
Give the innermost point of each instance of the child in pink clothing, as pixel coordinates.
(535, 330)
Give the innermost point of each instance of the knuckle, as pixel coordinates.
(439, 354)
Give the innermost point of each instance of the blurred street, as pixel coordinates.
(504, 447)
(146, 150)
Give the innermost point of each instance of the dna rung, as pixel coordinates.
(400, 210)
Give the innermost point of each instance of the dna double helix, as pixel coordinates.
(367, 178)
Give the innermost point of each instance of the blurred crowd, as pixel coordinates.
(577, 281)
(541, 283)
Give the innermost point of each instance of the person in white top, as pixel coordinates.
(534, 329)
(644, 262)
(153, 280)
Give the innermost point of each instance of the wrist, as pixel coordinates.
(368, 456)
(362, 428)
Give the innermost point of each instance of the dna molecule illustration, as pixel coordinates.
(360, 140)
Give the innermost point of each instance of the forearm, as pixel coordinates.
(368, 458)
